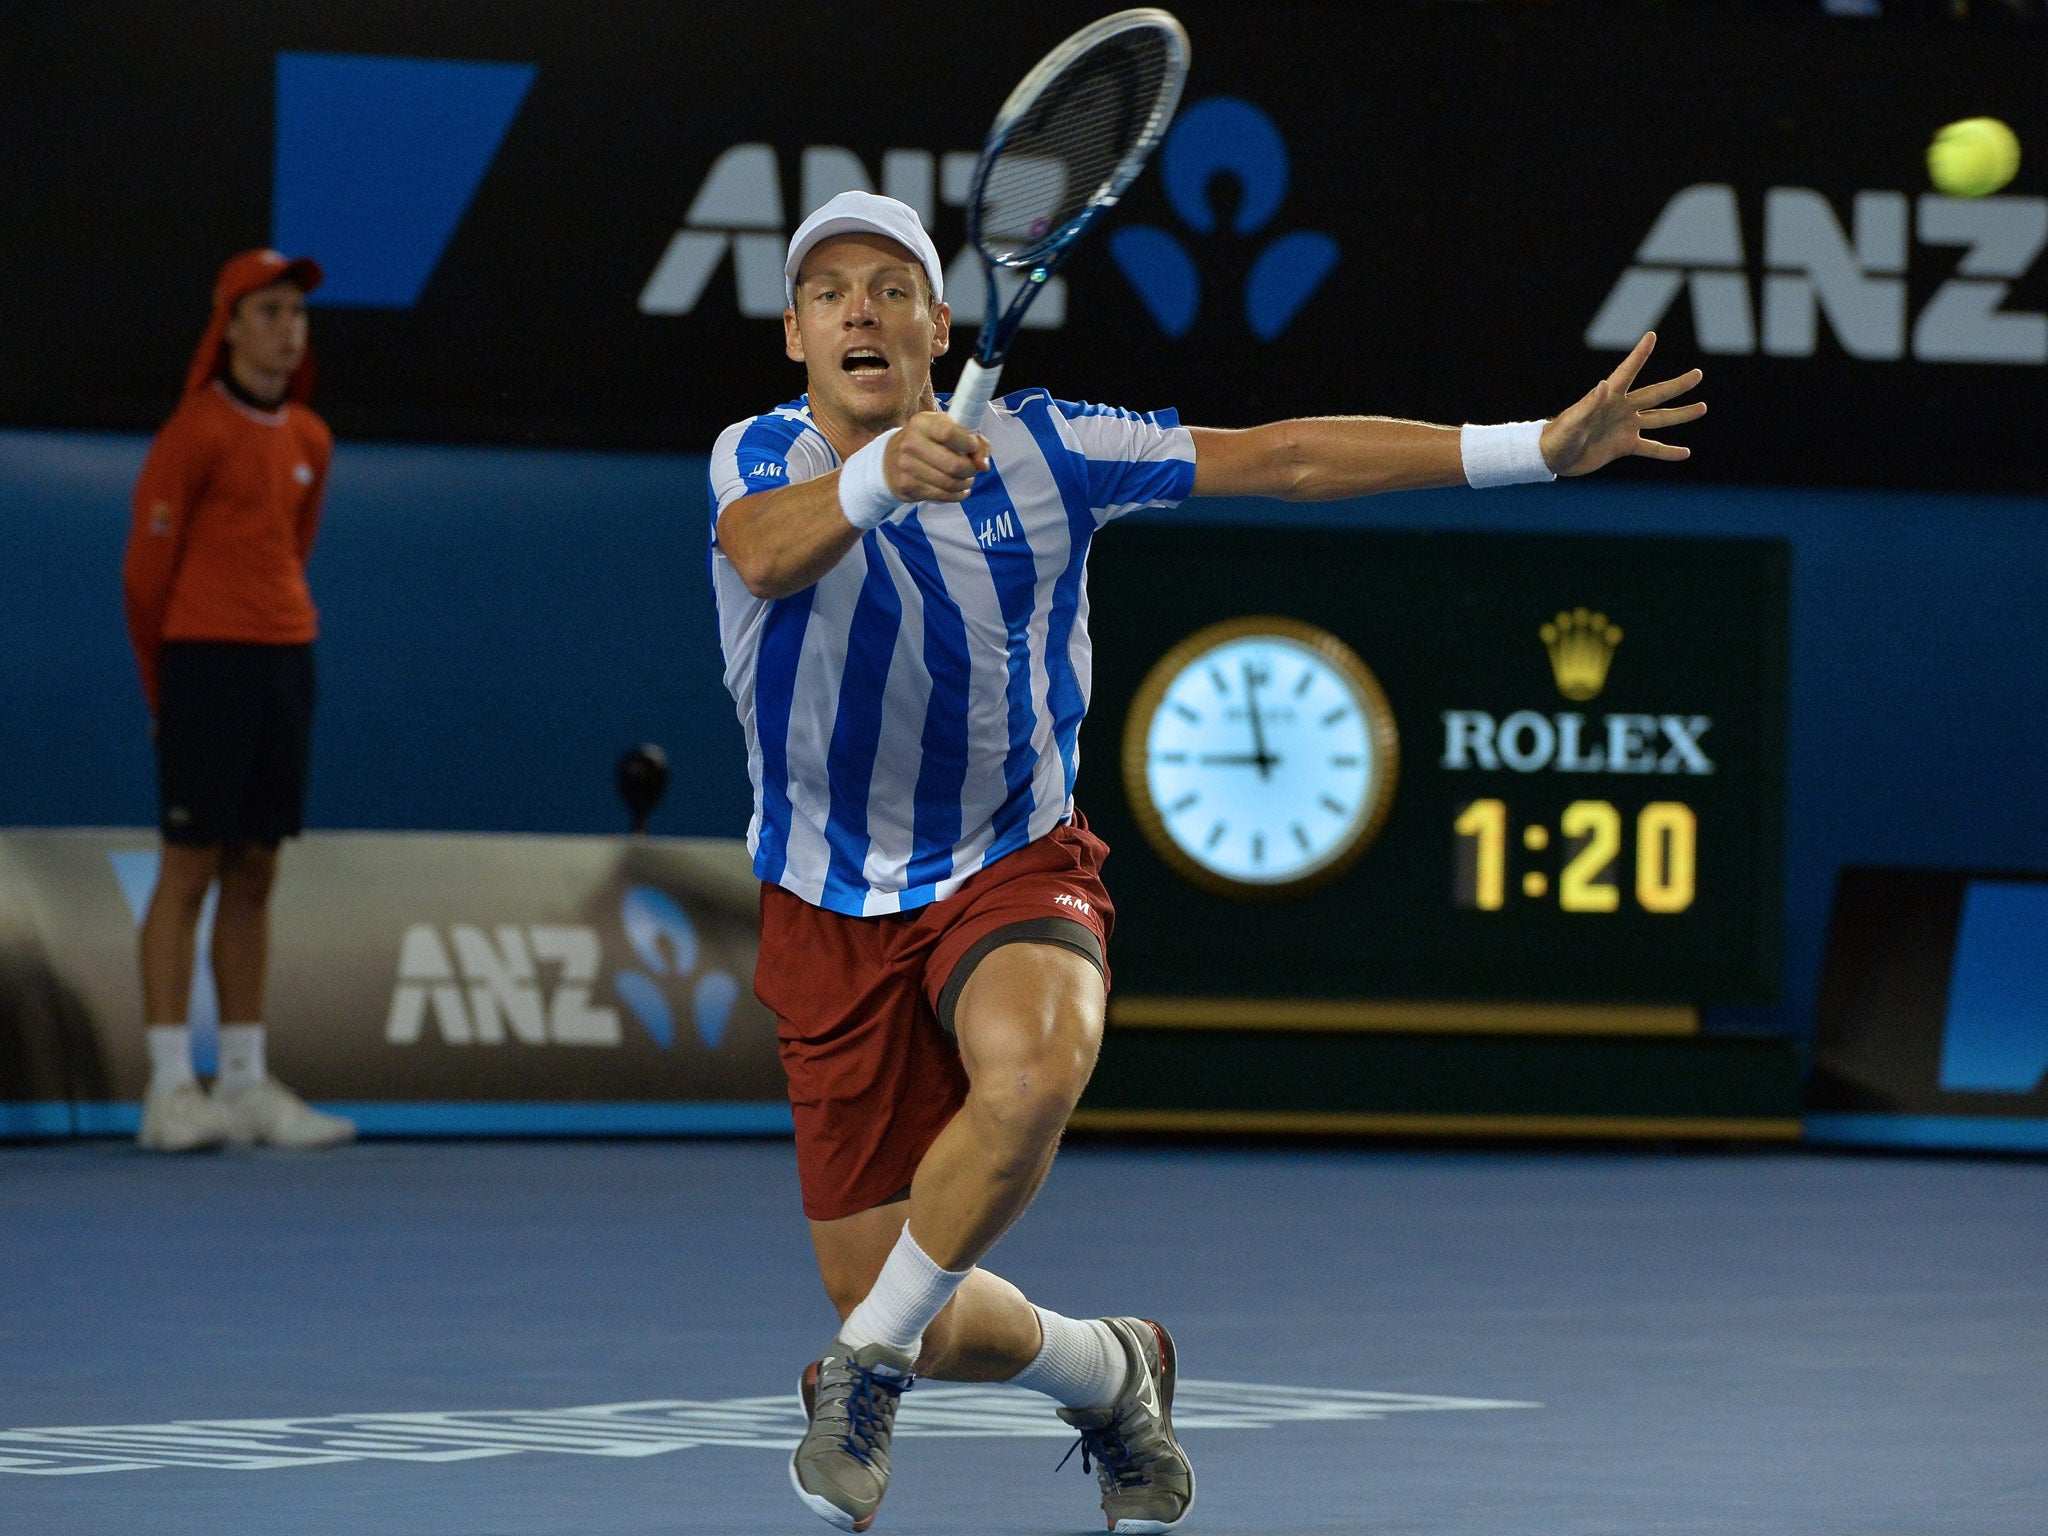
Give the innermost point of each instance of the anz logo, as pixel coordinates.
(540, 984)
(739, 215)
(1224, 136)
(1854, 278)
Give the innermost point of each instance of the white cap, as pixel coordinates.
(866, 213)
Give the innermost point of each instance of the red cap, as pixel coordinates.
(241, 276)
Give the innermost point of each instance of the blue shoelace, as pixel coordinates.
(1108, 1451)
(866, 1420)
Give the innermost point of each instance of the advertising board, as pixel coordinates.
(545, 226)
(420, 978)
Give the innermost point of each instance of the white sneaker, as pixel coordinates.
(271, 1113)
(180, 1118)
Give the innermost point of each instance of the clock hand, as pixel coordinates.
(1236, 760)
(1263, 758)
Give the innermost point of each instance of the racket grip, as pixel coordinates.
(971, 396)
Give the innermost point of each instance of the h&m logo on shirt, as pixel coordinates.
(767, 469)
(303, 473)
(1064, 900)
(994, 530)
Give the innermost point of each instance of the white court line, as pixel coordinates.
(644, 1429)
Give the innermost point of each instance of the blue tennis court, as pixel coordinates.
(508, 1338)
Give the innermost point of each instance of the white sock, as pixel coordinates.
(908, 1294)
(241, 1056)
(170, 1055)
(1081, 1366)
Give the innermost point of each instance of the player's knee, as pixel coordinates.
(1042, 1042)
(1065, 1059)
(1051, 1073)
(1063, 1069)
(1025, 1103)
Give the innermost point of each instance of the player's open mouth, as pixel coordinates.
(864, 363)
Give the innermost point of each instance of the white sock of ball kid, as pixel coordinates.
(907, 1295)
(170, 1056)
(241, 1057)
(1081, 1364)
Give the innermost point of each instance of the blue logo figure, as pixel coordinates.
(1224, 136)
(665, 939)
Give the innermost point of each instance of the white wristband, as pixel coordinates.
(864, 496)
(1511, 454)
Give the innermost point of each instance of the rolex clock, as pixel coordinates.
(1260, 757)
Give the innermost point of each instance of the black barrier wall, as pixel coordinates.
(563, 224)
(499, 624)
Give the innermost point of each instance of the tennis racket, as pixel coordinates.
(1064, 147)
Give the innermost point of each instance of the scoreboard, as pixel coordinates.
(1464, 767)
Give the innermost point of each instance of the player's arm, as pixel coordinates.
(784, 540)
(1325, 458)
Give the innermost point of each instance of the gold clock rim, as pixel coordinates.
(1152, 691)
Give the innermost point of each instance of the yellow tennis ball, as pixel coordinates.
(1973, 158)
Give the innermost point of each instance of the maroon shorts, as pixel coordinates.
(863, 1008)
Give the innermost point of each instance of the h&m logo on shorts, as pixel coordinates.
(1064, 900)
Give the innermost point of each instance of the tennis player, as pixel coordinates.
(904, 621)
(223, 625)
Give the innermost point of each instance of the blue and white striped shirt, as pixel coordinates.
(915, 715)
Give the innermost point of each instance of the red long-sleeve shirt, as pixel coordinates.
(226, 509)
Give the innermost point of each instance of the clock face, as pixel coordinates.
(1260, 756)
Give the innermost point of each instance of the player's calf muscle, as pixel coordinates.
(987, 1332)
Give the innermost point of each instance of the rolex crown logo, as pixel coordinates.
(1581, 644)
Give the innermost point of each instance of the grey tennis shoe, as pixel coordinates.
(1147, 1485)
(841, 1468)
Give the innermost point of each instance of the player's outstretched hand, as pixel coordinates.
(933, 459)
(1609, 423)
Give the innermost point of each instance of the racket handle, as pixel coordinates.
(971, 396)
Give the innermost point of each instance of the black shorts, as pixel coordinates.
(233, 730)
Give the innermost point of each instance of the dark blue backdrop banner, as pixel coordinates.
(564, 224)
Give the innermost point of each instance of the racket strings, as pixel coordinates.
(1070, 148)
